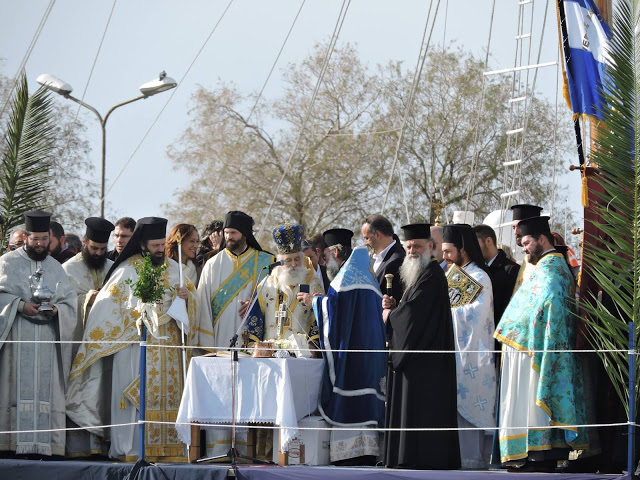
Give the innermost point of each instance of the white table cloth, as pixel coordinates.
(270, 390)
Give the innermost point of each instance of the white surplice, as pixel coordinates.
(86, 281)
(96, 398)
(473, 327)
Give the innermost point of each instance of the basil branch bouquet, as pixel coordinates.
(149, 288)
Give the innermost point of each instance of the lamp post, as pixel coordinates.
(161, 84)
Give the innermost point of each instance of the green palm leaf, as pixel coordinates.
(615, 266)
(25, 166)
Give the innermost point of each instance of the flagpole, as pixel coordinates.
(591, 200)
(631, 443)
(567, 58)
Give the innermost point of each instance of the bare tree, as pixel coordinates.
(339, 171)
(326, 179)
(453, 123)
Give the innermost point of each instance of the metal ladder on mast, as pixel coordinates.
(519, 110)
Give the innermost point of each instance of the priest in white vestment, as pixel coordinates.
(33, 376)
(87, 271)
(224, 294)
(95, 396)
(473, 327)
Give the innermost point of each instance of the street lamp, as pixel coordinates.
(161, 84)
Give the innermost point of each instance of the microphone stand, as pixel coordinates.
(233, 454)
(181, 327)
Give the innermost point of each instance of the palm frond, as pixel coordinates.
(25, 166)
(614, 265)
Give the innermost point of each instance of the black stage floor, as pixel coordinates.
(11, 469)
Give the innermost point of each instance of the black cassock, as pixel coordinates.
(421, 388)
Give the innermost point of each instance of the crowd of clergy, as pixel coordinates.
(463, 355)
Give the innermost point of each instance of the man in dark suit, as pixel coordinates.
(504, 272)
(58, 248)
(309, 249)
(388, 253)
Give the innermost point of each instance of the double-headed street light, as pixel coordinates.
(161, 84)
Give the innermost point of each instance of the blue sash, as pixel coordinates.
(241, 276)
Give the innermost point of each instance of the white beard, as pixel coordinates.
(412, 267)
(332, 267)
(291, 276)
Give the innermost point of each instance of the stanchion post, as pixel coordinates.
(631, 444)
(143, 390)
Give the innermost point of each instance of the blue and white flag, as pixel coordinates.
(587, 36)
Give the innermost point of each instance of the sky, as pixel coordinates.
(144, 38)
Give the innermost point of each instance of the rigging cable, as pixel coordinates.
(444, 32)
(215, 27)
(332, 44)
(36, 35)
(474, 158)
(414, 87)
(528, 108)
(95, 60)
(555, 141)
(264, 86)
(529, 105)
(514, 85)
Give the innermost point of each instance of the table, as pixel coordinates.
(270, 390)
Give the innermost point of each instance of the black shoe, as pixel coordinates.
(542, 467)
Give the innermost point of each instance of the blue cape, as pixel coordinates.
(350, 318)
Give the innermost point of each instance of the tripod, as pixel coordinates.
(233, 454)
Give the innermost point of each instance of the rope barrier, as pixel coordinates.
(260, 426)
(311, 350)
(68, 429)
(249, 426)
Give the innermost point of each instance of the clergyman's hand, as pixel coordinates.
(244, 306)
(51, 313)
(183, 293)
(30, 309)
(304, 298)
(388, 302)
(92, 298)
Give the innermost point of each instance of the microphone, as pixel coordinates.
(274, 265)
